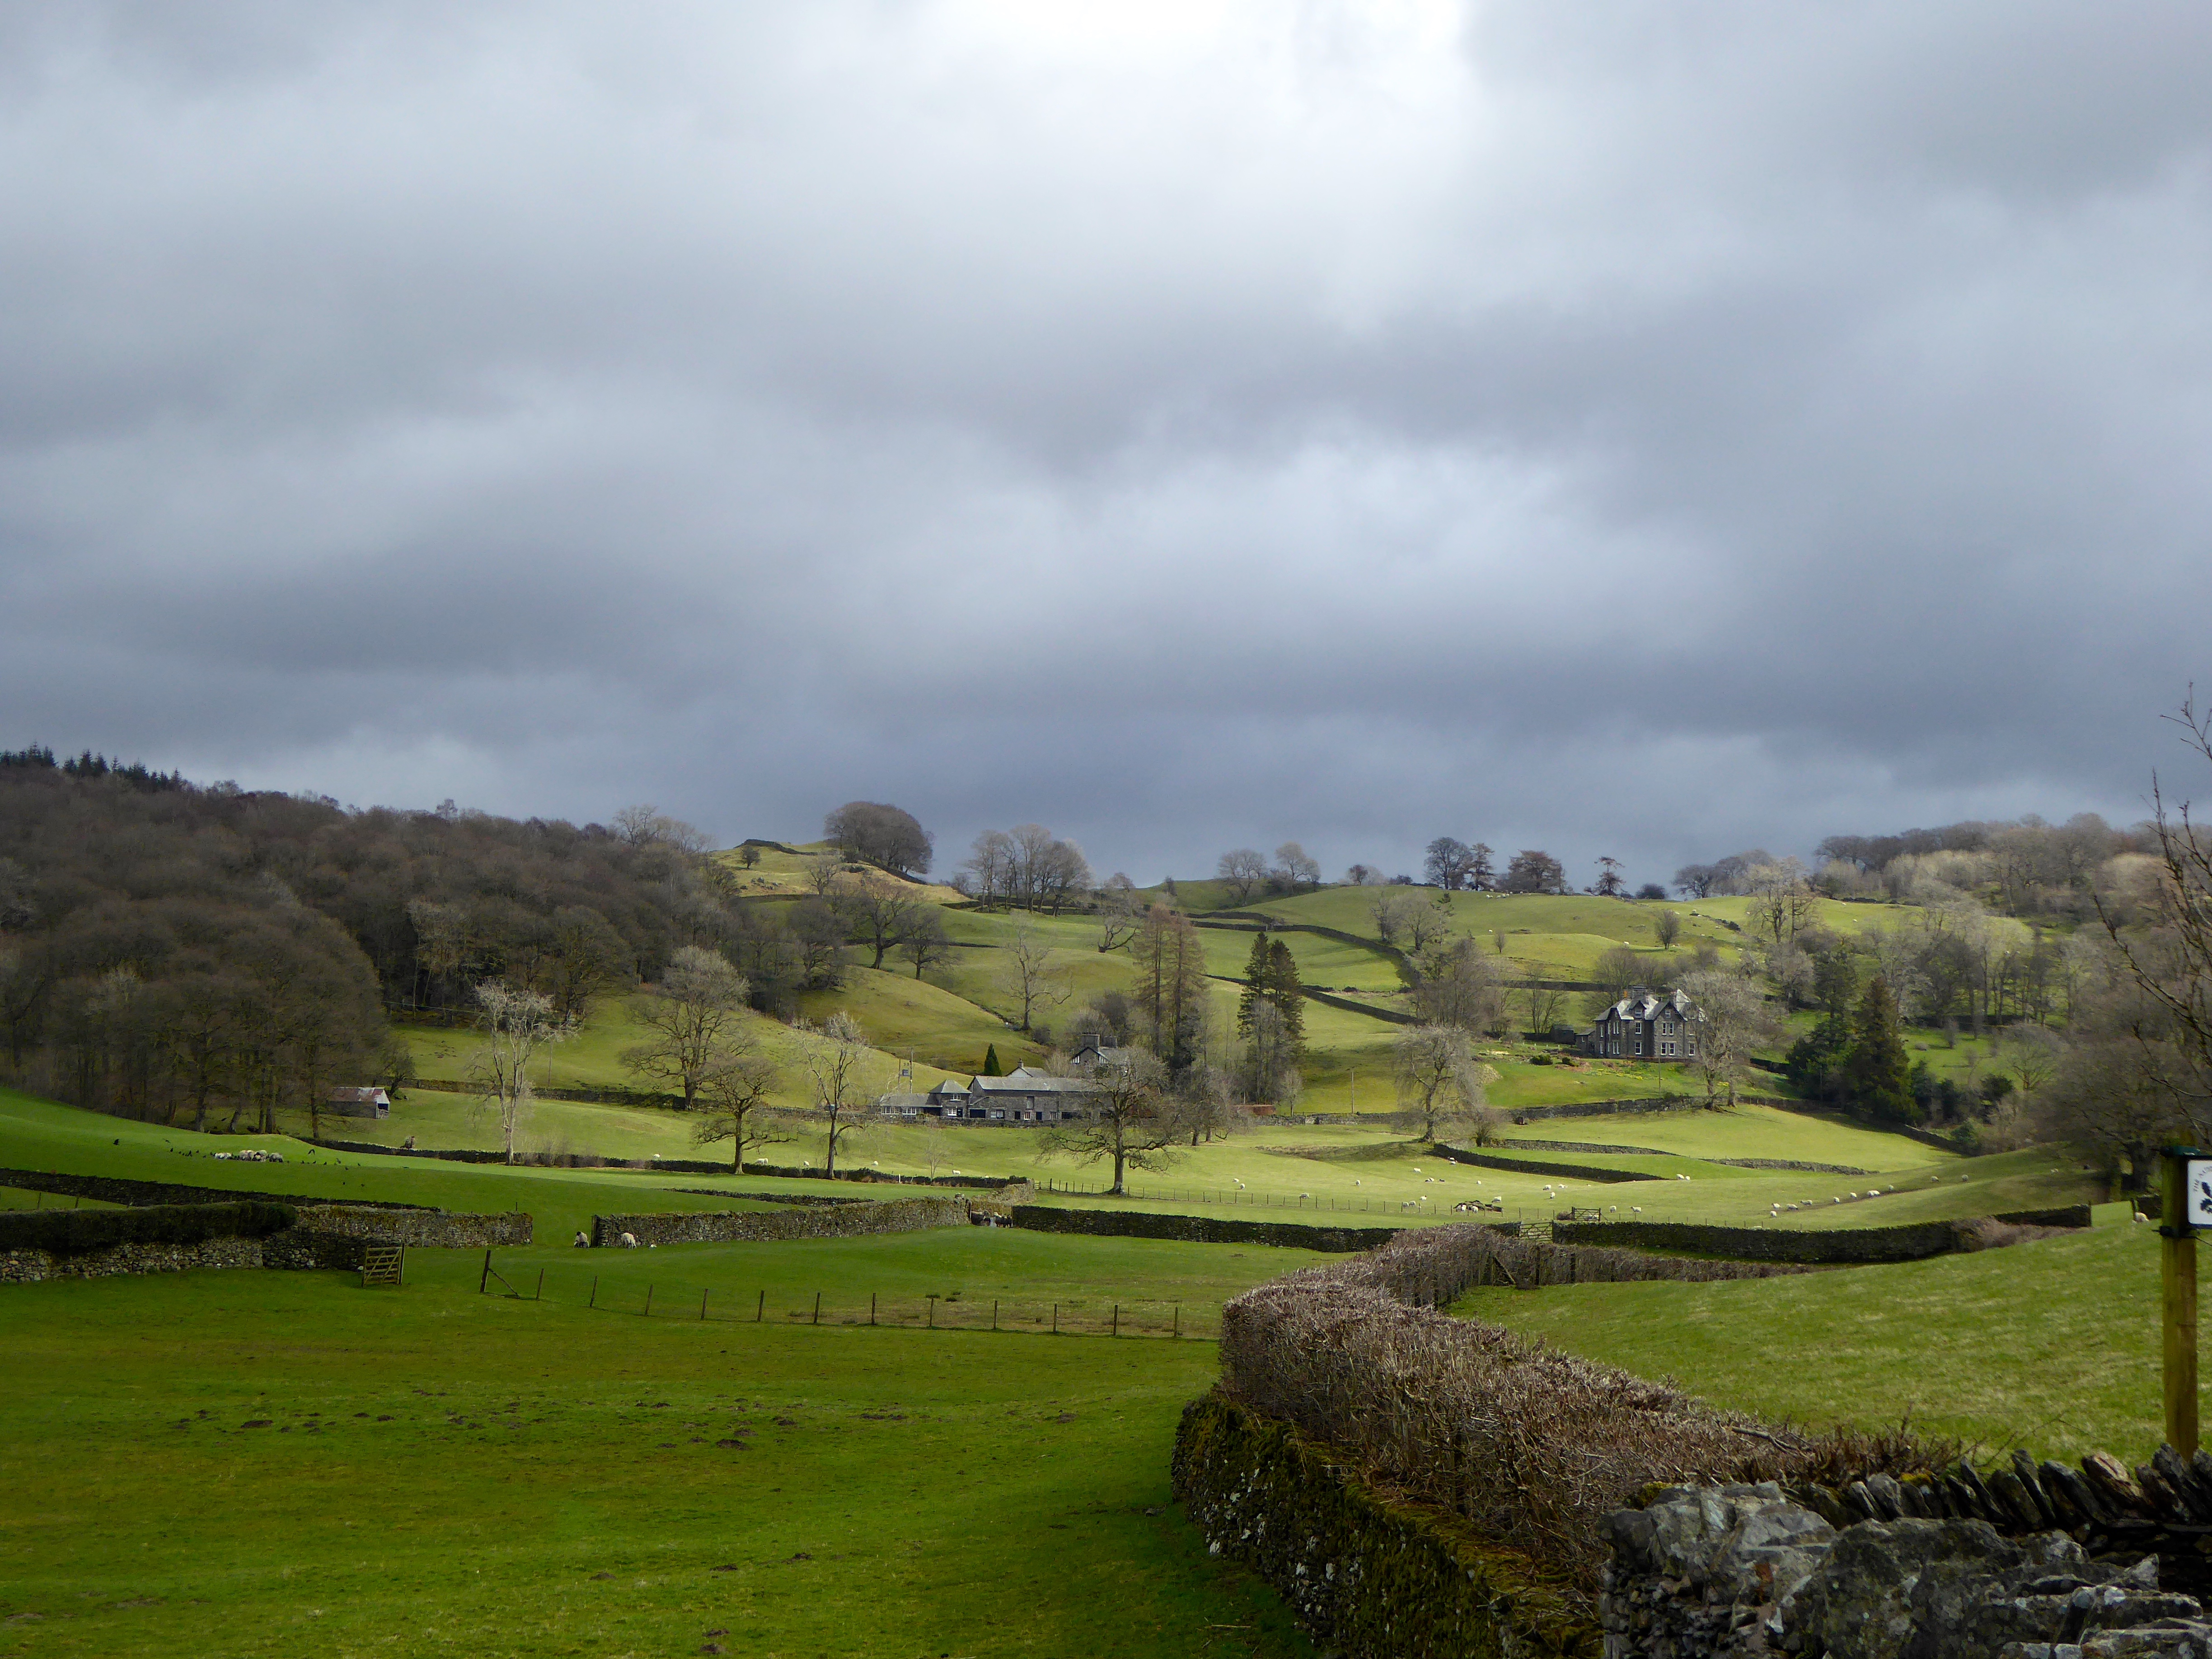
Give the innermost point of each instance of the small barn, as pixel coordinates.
(358, 1102)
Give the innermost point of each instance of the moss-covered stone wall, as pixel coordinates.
(1369, 1575)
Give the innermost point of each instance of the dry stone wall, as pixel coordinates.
(1202, 1229)
(1733, 1571)
(444, 1230)
(177, 1238)
(1366, 1573)
(904, 1215)
(22, 1266)
(1532, 1166)
(114, 1189)
(1914, 1242)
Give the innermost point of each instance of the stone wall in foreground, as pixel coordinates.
(1735, 1571)
(1366, 1574)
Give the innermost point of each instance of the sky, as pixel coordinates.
(1635, 429)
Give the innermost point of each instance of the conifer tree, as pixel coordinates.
(1877, 1073)
(1282, 990)
(1256, 982)
(991, 1067)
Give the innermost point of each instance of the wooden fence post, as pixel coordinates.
(485, 1278)
(2177, 1282)
(817, 1307)
(648, 1302)
(595, 1291)
(760, 1308)
(702, 1304)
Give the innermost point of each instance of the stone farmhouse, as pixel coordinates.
(1022, 1096)
(1646, 1025)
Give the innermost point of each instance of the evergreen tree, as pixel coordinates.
(1282, 990)
(1256, 982)
(991, 1067)
(1815, 1062)
(1876, 1073)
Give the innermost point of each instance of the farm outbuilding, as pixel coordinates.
(358, 1102)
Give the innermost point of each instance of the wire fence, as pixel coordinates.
(1131, 1318)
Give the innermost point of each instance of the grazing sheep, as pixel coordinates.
(628, 1241)
(583, 1241)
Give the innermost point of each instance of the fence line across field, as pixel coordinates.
(1135, 1317)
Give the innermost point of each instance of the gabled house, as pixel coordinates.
(1646, 1025)
(358, 1102)
(1092, 1055)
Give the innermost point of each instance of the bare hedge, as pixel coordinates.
(1529, 1443)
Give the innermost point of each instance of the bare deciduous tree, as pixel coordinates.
(1121, 913)
(837, 1058)
(695, 1013)
(733, 1102)
(1133, 1122)
(1667, 928)
(1242, 870)
(1425, 925)
(1462, 987)
(516, 1024)
(923, 942)
(881, 910)
(1294, 869)
(1440, 1083)
(1390, 909)
(1027, 973)
(1736, 1024)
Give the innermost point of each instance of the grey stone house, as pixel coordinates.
(1646, 1024)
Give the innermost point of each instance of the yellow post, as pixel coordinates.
(2178, 1276)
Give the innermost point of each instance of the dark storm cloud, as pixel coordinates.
(1635, 428)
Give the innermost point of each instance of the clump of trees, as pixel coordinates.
(1027, 868)
(1245, 871)
(877, 833)
(209, 955)
(1534, 871)
(1452, 864)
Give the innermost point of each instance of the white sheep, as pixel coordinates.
(583, 1241)
(628, 1241)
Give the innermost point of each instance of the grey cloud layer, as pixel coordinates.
(1635, 429)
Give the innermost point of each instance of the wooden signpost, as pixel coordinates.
(2184, 1206)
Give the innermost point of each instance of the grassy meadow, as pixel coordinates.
(277, 1463)
(2052, 1345)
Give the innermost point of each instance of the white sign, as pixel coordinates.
(2197, 1205)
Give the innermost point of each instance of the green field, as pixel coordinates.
(279, 1463)
(489, 1474)
(2052, 1345)
(38, 1134)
